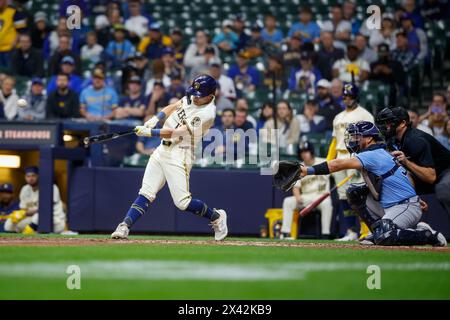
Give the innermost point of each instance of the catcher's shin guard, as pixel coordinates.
(356, 197)
(386, 233)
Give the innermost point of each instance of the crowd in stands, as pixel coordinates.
(124, 66)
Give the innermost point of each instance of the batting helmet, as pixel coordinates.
(355, 131)
(202, 86)
(350, 89)
(389, 119)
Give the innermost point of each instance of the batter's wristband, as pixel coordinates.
(160, 115)
(321, 168)
(156, 132)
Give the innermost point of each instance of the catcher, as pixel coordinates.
(386, 202)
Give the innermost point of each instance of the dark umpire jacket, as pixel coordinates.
(424, 150)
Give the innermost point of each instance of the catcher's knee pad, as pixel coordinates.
(357, 194)
(385, 232)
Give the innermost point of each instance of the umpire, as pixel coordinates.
(426, 158)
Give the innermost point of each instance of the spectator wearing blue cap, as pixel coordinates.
(7, 203)
(67, 66)
(176, 88)
(170, 62)
(154, 43)
(26, 60)
(417, 39)
(239, 28)
(178, 44)
(409, 7)
(65, 43)
(29, 201)
(131, 107)
(99, 101)
(119, 49)
(36, 102)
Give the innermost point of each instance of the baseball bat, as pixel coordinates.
(315, 203)
(106, 137)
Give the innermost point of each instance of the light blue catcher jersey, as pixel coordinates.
(396, 187)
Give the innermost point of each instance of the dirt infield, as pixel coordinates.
(51, 242)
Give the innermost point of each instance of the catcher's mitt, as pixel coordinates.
(288, 174)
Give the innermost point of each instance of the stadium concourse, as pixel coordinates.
(278, 64)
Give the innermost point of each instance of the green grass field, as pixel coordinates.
(151, 269)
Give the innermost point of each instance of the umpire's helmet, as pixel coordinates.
(355, 131)
(388, 119)
(350, 89)
(202, 86)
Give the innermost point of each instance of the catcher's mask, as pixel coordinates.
(356, 131)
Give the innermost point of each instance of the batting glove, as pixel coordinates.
(150, 124)
(143, 131)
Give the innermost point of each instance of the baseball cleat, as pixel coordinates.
(349, 236)
(220, 225)
(121, 232)
(441, 241)
(367, 241)
(286, 236)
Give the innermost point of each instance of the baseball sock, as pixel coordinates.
(199, 208)
(137, 209)
(33, 226)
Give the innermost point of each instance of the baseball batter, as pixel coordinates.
(185, 123)
(352, 114)
(305, 191)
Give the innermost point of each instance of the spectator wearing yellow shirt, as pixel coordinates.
(11, 21)
(153, 44)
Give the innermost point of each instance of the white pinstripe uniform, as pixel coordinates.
(311, 188)
(29, 198)
(172, 163)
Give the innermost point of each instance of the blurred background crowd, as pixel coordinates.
(129, 58)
